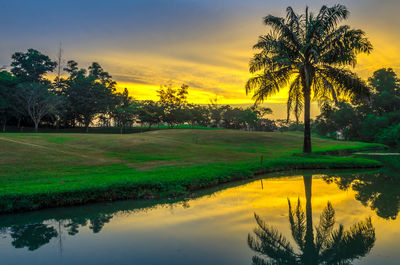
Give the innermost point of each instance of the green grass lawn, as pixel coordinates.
(45, 170)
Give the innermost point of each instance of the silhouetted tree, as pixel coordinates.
(199, 115)
(308, 52)
(88, 94)
(31, 66)
(124, 110)
(386, 91)
(8, 99)
(150, 112)
(215, 112)
(374, 121)
(38, 101)
(168, 94)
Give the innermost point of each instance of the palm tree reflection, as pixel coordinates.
(329, 245)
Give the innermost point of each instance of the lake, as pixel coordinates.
(359, 213)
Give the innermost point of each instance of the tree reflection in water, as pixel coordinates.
(45, 226)
(33, 236)
(329, 245)
(380, 191)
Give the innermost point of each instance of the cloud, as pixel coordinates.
(204, 43)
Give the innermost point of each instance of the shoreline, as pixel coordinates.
(204, 176)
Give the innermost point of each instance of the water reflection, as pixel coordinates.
(196, 231)
(380, 191)
(45, 225)
(32, 236)
(329, 245)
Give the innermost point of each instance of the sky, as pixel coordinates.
(206, 44)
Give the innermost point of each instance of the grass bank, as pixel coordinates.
(49, 170)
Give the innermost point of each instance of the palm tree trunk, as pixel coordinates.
(306, 79)
(307, 123)
(309, 255)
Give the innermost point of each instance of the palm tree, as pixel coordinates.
(309, 54)
(328, 246)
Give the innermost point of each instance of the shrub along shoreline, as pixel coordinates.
(170, 181)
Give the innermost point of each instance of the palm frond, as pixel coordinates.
(347, 83)
(295, 99)
(297, 221)
(330, 17)
(351, 244)
(281, 28)
(324, 90)
(270, 243)
(325, 227)
(268, 83)
(255, 260)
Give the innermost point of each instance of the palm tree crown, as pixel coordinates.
(310, 54)
(329, 246)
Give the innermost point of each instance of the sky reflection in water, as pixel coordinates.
(211, 229)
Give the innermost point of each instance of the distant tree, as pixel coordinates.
(198, 115)
(8, 100)
(249, 118)
(373, 121)
(233, 118)
(172, 114)
(124, 110)
(98, 73)
(150, 112)
(31, 66)
(167, 94)
(339, 118)
(262, 123)
(386, 91)
(309, 53)
(265, 125)
(38, 101)
(173, 102)
(385, 79)
(88, 94)
(261, 111)
(72, 67)
(215, 112)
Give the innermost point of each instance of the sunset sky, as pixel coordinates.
(204, 43)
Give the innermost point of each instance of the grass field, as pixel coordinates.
(47, 170)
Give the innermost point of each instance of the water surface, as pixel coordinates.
(216, 227)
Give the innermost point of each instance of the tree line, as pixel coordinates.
(376, 120)
(84, 97)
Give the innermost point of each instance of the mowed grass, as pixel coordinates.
(45, 170)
